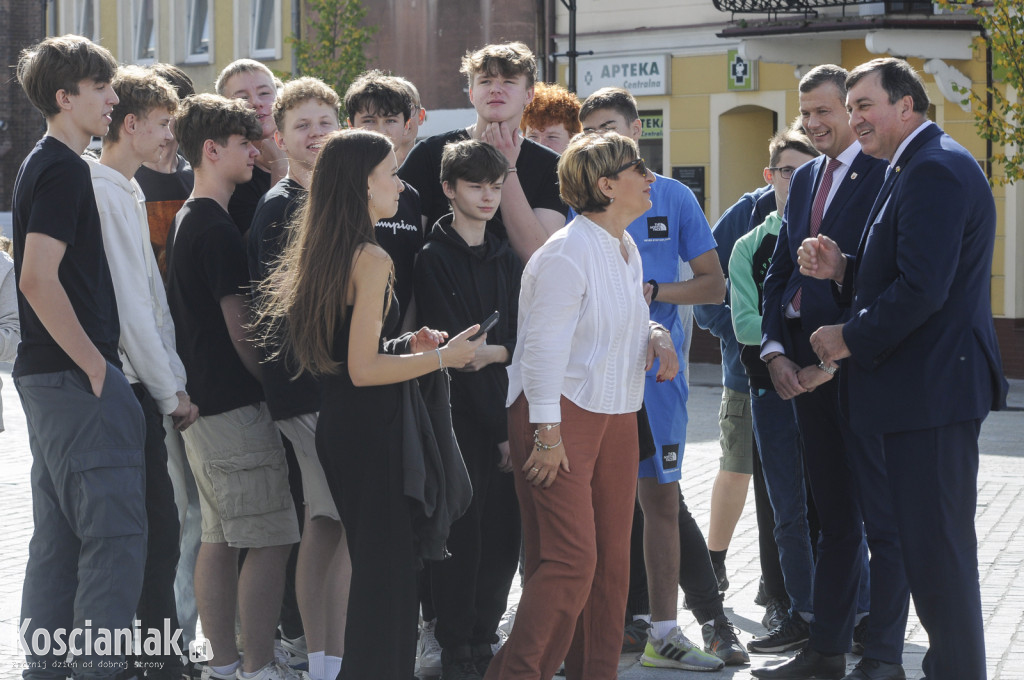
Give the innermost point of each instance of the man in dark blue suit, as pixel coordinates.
(832, 195)
(924, 367)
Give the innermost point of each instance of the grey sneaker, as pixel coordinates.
(676, 651)
(720, 639)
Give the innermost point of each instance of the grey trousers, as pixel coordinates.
(88, 548)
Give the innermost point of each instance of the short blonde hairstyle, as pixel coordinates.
(300, 91)
(588, 158)
(139, 91)
(243, 66)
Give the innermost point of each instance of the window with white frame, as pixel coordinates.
(265, 29)
(80, 17)
(85, 18)
(142, 32)
(198, 34)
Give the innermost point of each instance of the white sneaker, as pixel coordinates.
(294, 646)
(275, 670)
(428, 651)
(204, 672)
(508, 619)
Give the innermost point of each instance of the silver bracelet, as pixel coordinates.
(541, 446)
(547, 428)
(831, 370)
(440, 365)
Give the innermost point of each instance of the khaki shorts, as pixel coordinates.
(737, 432)
(238, 462)
(301, 432)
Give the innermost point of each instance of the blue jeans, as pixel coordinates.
(778, 444)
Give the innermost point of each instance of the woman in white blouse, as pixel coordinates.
(575, 383)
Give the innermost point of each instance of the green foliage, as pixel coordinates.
(1003, 123)
(333, 50)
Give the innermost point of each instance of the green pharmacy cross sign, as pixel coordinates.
(742, 74)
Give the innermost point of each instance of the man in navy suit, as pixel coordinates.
(832, 195)
(923, 367)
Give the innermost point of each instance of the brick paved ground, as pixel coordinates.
(1000, 525)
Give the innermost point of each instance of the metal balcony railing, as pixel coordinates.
(810, 7)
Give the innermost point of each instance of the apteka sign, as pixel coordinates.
(645, 74)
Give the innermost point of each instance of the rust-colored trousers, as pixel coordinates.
(576, 538)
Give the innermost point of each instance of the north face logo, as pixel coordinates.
(657, 227)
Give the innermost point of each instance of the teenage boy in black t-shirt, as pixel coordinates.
(463, 274)
(501, 81)
(234, 449)
(306, 112)
(382, 103)
(86, 429)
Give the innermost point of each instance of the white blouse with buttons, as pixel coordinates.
(583, 325)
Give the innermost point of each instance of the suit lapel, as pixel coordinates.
(849, 186)
(922, 138)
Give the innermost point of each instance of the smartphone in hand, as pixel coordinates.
(487, 325)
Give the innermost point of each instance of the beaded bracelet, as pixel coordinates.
(541, 446)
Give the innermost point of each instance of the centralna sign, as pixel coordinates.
(645, 74)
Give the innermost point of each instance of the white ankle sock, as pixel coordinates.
(332, 666)
(227, 670)
(316, 665)
(643, 617)
(661, 629)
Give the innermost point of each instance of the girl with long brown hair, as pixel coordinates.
(330, 301)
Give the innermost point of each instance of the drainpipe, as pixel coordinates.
(296, 31)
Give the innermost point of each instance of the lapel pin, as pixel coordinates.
(853, 175)
(897, 168)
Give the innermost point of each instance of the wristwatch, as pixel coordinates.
(831, 370)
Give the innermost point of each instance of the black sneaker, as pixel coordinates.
(634, 636)
(792, 633)
(860, 634)
(723, 578)
(482, 655)
(720, 639)
(761, 599)
(774, 612)
(457, 664)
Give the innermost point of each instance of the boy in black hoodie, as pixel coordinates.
(463, 274)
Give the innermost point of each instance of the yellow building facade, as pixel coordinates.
(199, 36)
(711, 131)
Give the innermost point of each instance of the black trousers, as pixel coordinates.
(696, 575)
(156, 603)
(470, 589)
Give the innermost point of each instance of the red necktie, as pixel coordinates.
(818, 212)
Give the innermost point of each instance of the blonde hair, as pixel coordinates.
(588, 158)
(300, 91)
(242, 66)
